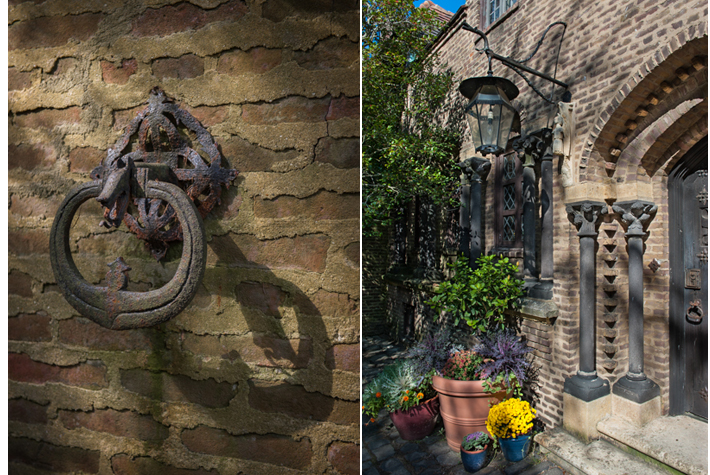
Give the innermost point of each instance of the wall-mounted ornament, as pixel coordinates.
(172, 187)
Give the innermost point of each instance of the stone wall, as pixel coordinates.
(637, 72)
(262, 369)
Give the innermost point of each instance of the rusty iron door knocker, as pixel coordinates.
(170, 201)
(694, 314)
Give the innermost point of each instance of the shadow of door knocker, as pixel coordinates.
(172, 188)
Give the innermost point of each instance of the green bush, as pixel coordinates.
(481, 296)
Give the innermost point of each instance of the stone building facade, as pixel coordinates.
(260, 374)
(636, 126)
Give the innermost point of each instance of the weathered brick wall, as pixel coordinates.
(260, 374)
(638, 93)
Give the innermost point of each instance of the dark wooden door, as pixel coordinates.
(688, 201)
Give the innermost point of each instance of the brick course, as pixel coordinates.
(277, 86)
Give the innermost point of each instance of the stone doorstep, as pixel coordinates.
(597, 458)
(679, 442)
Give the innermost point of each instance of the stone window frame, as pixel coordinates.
(515, 247)
(504, 12)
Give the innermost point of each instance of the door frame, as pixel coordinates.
(695, 159)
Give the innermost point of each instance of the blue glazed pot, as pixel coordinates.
(473, 461)
(515, 448)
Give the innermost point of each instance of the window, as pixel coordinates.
(508, 202)
(494, 9)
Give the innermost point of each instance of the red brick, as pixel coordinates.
(270, 448)
(265, 297)
(352, 253)
(290, 109)
(91, 374)
(18, 80)
(302, 252)
(22, 410)
(177, 388)
(82, 332)
(45, 32)
(123, 464)
(258, 349)
(118, 423)
(341, 153)
(277, 10)
(85, 159)
(247, 157)
(49, 118)
(121, 118)
(29, 241)
(343, 357)
(184, 16)
(295, 401)
(345, 458)
(185, 67)
(322, 205)
(327, 303)
(33, 206)
(209, 116)
(329, 54)
(29, 157)
(113, 74)
(20, 284)
(342, 107)
(29, 327)
(255, 61)
(50, 457)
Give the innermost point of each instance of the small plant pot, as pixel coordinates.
(515, 448)
(417, 422)
(475, 460)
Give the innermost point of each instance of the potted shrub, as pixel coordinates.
(474, 448)
(511, 423)
(482, 296)
(473, 380)
(405, 389)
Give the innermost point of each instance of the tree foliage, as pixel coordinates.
(412, 123)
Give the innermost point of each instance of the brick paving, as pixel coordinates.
(384, 452)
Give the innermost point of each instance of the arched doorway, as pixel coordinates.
(688, 320)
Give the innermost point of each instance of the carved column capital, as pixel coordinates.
(585, 216)
(475, 169)
(635, 215)
(532, 146)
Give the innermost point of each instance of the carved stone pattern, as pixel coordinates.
(635, 215)
(585, 216)
(475, 169)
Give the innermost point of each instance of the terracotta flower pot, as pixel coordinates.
(464, 408)
(417, 422)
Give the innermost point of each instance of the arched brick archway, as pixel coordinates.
(673, 74)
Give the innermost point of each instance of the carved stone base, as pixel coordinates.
(586, 388)
(636, 391)
(581, 417)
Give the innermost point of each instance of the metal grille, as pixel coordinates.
(509, 197)
(509, 228)
(509, 167)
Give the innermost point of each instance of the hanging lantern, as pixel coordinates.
(490, 114)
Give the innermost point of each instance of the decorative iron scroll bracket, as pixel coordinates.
(171, 187)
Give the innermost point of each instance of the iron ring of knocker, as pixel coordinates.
(170, 198)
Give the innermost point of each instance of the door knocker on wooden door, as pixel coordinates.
(172, 189)
(694, 314)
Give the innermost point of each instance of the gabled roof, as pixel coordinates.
(442, 15)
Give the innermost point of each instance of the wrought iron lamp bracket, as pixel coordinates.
(517, 65)
(172, 187)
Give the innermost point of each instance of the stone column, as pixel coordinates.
(475, 171)
(546, 261)
(586, 385)
(635, 216)
(529, 225)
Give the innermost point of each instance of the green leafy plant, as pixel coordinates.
(397, 388)
(476, 441)
(482, 296)
(412, 124)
